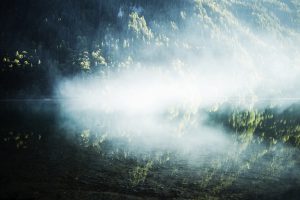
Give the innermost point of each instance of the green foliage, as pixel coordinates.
(91, 61)
(21, 59)
(21, 140)
(139, 26)
(98, 57)
(245, 124)
(97, 47)
(84, 61)
(139, 173)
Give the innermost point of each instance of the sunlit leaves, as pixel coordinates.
(139, 173)
(21, 140)
(97, 55)
(21, 59)
(91, 60)
(139, 26)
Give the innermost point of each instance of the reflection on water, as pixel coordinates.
(225, 154)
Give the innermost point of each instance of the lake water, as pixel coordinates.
(48, 153)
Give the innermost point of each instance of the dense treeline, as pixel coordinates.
(67, 38)
(55, 34)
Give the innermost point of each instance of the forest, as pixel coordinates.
(150, 99)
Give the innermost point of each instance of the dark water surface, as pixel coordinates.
(43, 158)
